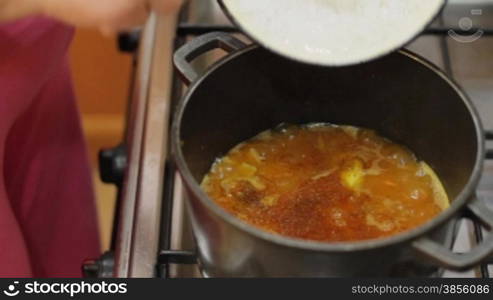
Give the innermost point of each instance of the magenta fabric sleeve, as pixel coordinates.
(48, 221)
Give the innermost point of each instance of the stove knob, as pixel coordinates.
(90, 269)
(129, 41)
(99, 268)
(112, 164)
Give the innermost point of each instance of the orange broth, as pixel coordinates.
(326, 183)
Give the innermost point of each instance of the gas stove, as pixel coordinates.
(152, 237)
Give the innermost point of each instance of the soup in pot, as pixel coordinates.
(326, 183)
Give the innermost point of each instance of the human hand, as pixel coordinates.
(107, 15)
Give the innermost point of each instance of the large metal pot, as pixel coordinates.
(402, 96)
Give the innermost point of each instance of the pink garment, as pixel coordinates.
(48, 223)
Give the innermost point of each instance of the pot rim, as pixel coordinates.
(257, 41)
(459, 202)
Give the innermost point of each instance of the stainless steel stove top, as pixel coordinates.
(465, 53)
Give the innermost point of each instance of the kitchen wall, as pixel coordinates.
(101, 76)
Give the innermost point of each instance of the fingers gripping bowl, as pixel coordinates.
(401, 96)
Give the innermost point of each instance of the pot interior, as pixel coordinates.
(398, 96)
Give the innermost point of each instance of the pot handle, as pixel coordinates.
(446, 258)
(200, 45)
